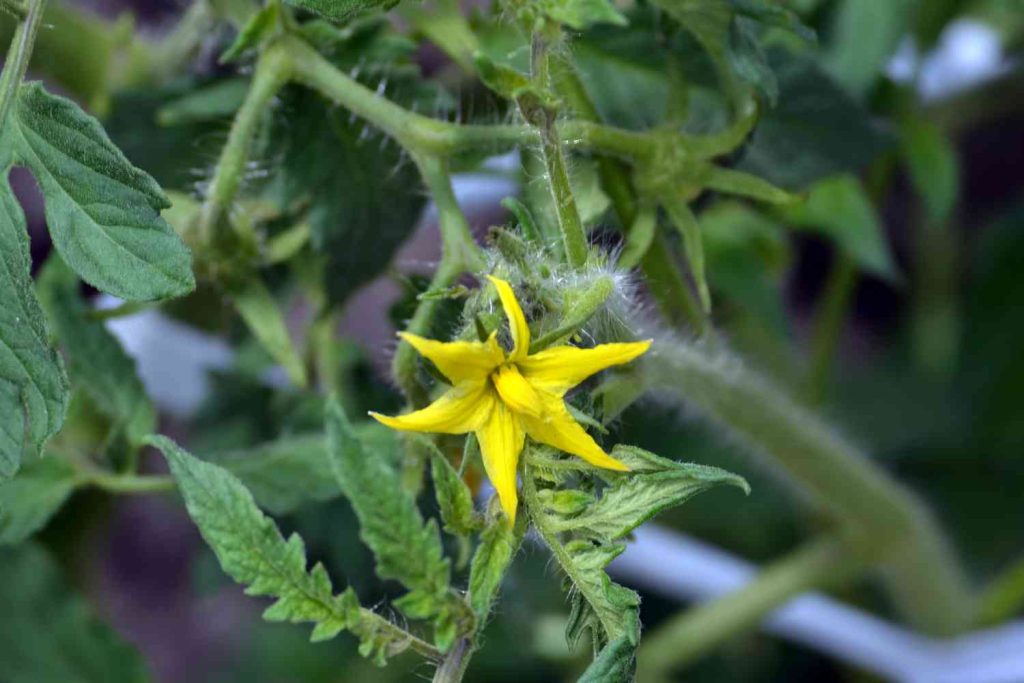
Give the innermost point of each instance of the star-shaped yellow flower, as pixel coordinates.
(505, 397)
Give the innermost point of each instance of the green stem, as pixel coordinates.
(670, 289)
(272, 72)
(454, 666)
(459, 254)
(828, 325)
(684, 638)
(18, 56)
(14, 8)
(891, 524)
(574, 234)
(127, 483)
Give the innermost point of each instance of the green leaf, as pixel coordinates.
(251, 549)
(29, 500)
(453, 496)
(815, 131)
(582, 14)
(205, 104)
(255, 31)
(609, 611)
(839, 208)
(97, 363)
(49, 633)
(33, 385)
(264, 319)
(686, 223)
(498, 543)
(103, 213)
(286, 473)
(614, 664)
(655, 484)
(341, 11)
(863, 36)
(934, 168)
(406, 549)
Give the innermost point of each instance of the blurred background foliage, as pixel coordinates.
(890, 300)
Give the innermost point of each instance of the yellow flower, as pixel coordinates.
(505, 397)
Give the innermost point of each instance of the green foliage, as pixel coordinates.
(453, 496)
(251, 549)
(103, 213)
(581, 14)
(29, 500)
(97, 363)
(49, 633)
(341, 11)
(613, 664)
(261, 313)
(864, 36)
(406, 549)
(359, 199)
(33, 385)
(594, 525)
(498, 544)
(933, 165)
(840, 208)
(255, 31)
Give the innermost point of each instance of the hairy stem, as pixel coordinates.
(18, 57)
(459, 254)
(686, 637)
(454, 666)
(892, 526)
(828, 325)
(272, 73)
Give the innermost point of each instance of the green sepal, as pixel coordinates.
(259, 27)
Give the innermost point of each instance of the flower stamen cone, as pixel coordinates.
(505, 397)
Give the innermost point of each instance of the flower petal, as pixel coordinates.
(556, 427)
(561, 368)
(501, 441)
(515, 391)
(460, 410)
(460, 361)
(516, 320)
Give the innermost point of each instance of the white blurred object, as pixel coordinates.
(968, 53)
(673, 565)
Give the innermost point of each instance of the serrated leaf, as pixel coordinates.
(284, 474)
(96, 360)
(609, 611)
(654, 485)
(497, 546)
(840, 208)
(251, 549)
(49, 633)
(453, 497)
(407, 549)
(33, 384)
(29, 500)
(260, 25)
(614, 664)
(258, 308)
(102, 212)
(815, 131)
(582, 14)
(341, 11)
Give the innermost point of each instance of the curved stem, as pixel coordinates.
(272, 72)
(685, 638)
(18, 57)
(128, 483)
(892, 526)
(454, 666)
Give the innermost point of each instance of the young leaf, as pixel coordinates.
(582, 14)
(651, 487)
(498, 543)
(72, 645)
(406, 549)
(33, 385)
(258, 28)
(251, 549)
(97, 362)
(259, 310)
(609, 611)
(103, 213)
(29, 500)
(453, 496)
